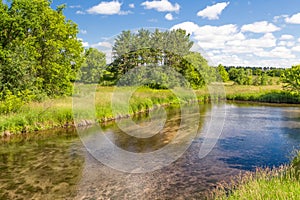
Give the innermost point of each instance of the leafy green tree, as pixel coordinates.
(199, 73)
(223, 73)
(39, 49)
(148, 48)
(94, 67)
(291, 79)
(238, 75)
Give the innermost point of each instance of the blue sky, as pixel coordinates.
(233, 32)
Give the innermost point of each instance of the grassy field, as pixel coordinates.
(58, 112)
(264, 184)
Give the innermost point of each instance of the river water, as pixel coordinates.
(56, 164)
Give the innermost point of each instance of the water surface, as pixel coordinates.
(59, 167)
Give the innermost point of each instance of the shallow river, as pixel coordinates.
(56, 165)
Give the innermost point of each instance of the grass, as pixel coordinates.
(268, 93)
(265, 184)
(59, 113)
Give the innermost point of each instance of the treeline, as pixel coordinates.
(290, 77)
(159, 59)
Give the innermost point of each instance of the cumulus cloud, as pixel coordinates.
(260, 27)
(161, 6)
(108, 8)
(169, 16)
(213, 12)
(229, 45)
(286, 37)
(296, 48)
(294, 19)
(190, 27)
(131, 5)
(277, 52)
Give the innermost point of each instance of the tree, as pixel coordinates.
(146, 48)
(291, 79)
(239, 75)
(223, 73)
(39, 49)
(93, 68)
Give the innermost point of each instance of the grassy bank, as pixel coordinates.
(58, 112)
(280, 184)
(269, 94)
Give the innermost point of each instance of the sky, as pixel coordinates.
(232, 33)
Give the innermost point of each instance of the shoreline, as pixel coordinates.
(87, 122)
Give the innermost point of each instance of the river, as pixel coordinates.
(56, 165)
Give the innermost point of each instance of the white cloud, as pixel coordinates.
(260, 27)
(161, 6)
(286, 43)
(298, 40)
(75, 6)
(277, 52)
(106, 8)
(286, 37)
(79, 12)
(102, 44)
(85, 44)
(83, 31)
(266, 41)
(296, 48)
(213, 12)
(131, 5)
(277, 18)
(169, 16)
(294, 19)
(190, 27)
(227, 44)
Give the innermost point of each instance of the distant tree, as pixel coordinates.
(291, 79)
(223, 73)
(94, 67)
(239, 76)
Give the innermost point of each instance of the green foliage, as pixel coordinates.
(39, 50)
(291, 79)
(93, 68)
(223, 73)
(198, 72)
(145, 48)
(240, 76)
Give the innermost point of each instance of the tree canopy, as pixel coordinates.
(168, 48)
(291, 79)
(39, 49)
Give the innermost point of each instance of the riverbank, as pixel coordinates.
(280, 183)
(52, 113)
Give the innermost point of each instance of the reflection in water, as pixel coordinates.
(60, 168)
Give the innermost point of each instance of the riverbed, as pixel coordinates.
(57, 165)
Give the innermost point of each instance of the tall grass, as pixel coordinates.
(265, 184)
(58, 112)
